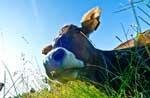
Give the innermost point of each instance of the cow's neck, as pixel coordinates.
(110, 60)
(98, 57)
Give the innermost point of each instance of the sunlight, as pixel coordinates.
(21, 63)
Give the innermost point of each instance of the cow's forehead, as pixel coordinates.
(69, 28)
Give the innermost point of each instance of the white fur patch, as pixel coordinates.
(69, 61)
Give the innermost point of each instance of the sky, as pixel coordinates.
(26, 26)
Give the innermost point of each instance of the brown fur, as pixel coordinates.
(142, 39)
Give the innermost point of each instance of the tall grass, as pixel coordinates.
(20, 81)
(132, 71)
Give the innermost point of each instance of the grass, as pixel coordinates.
(71, 89)
(89, 89)
(131, 79)
(132, 72)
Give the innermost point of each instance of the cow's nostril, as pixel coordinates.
(59, 54)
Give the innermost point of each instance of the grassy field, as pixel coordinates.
(79, 89)
(71, 89)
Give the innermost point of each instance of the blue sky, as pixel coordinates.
(27, 25)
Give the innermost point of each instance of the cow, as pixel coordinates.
(72, 54)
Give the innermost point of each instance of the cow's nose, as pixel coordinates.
(59, 54)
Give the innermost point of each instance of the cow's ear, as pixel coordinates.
(90, 20)
(47, 49)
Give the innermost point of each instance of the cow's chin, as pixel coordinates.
(61, 64)
(64, 76)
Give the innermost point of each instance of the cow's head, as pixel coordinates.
(71, 48)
